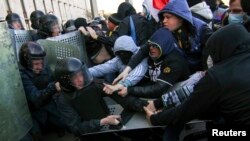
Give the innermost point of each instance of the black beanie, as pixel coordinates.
(193, 2)
(114, 19)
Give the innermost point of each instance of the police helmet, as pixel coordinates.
(46, 24)
(66, 68)
(34, 18)
(13, 17)
(30, 51)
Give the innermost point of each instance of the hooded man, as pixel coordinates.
(124, 49)
(217, 94)
(166, 66)
(201, 10)
(189, 33)
(246, 8)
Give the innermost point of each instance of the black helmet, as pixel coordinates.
(80, 22)
(30, 51)
(66, 69)
(34, 18)
(46, 24)
(13, 17)
(69, 26)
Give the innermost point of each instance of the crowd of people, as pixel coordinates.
(203, 44)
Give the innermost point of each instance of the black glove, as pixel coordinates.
(136, 104)
(46, 95)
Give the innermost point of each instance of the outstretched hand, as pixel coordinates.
(92, 32)
(83, 31)
(122, 76)
(111, 120)
(148, 112)
(123, 91)
(110, 89)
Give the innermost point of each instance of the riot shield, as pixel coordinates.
(58, 50)
(74, 38)
(15, 119)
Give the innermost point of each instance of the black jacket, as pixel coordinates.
(79, 109)
(165, 70)
(73, 114)
(190, 54)
(224, 90)
(172, 69)
(38, 88)
(143, 30)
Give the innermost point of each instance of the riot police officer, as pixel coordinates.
(14, 21)
(80, 102)
(48, 27)
(35, 17)
(39, 86)
(69, 26)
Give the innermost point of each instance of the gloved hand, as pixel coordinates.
(136, 104)
(51, 89)
(46, 95)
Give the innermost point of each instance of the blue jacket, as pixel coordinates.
(38, 88)
(197, 38)
(39, 91)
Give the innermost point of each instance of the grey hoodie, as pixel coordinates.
(123, 43)
(203, 10)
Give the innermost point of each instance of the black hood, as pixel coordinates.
(226, 41)
(125, 9)
(246, 6)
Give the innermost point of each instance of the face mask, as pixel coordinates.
(124, 56)
(235, 18)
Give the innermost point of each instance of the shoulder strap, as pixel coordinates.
(132, 29)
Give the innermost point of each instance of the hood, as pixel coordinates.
(245, 4)
(154, 6)
(125, 9)
(179, 8)
(203, 10)
(125, 43)
(162, 37)
(226, 41)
